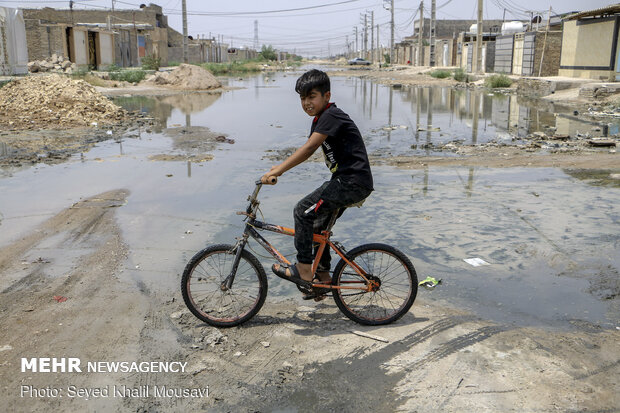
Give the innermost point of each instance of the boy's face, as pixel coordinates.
(315, 102)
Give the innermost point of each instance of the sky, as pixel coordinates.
(317, 27)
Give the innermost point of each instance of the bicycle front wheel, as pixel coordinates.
(205, 292)
(390, 269)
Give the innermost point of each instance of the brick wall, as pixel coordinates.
(45, 40)
(551, 59)
(150, 15)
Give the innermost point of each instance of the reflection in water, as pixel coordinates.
(161, 107)
(462, 116)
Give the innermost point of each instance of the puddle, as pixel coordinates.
(551, 236)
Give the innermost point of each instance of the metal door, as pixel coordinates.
(517, 57)
(446, 60)
(464, 57)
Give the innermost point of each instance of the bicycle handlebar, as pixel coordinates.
(252, 198)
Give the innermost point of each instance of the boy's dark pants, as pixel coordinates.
(337, 193)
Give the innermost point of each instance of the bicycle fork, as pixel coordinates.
(238, 250)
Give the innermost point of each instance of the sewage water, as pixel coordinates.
(551, 239)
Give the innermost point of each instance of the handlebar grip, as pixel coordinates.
(272, 181)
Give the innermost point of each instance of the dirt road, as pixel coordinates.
(294, 356)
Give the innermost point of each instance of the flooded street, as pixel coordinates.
(549, 238)
(552, 239)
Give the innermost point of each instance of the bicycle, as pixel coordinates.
(226, 285)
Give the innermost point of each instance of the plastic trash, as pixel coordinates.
(429, 283)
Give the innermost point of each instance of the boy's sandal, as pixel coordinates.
(293, 275)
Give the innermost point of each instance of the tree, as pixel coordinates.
(268, 53)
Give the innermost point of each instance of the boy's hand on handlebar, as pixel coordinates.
(269, 179)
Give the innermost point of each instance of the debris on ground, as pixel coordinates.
(186, 77)
(429, 283)
(55, 101)
(371, 336)
(54, 63)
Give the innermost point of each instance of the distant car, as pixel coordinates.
(359, 61)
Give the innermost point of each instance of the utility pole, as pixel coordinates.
(185, 51)
(256, 35)
(356, 42)
(348, 48)
(479, 39)
(420, 30)
(432, 32)
(379, 47)
(365, 35)
(372, 36)
(392, 33)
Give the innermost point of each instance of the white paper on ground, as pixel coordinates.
(476, 262)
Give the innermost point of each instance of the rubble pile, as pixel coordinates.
(54, 101)
(185, 77)
(55, 63)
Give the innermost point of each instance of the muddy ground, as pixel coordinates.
(295, 355)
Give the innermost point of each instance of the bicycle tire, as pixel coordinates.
(396, 294)
(203, 277)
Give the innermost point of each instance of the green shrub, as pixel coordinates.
(386, 58)
(460, 75)
(495, 81)
(268, 53)
(441, 74)
(4, 82)
(132, 76)
(113, 68)
(233, 67)
(151, 62)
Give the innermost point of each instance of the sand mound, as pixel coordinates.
(54, 101)
(186, 77)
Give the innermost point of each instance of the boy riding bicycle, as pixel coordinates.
(346, 158)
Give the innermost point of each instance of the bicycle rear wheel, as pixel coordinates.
(207, 297)
(398, 285)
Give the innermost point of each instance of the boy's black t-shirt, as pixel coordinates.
(344, 149)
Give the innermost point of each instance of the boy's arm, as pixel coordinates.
(300, 155)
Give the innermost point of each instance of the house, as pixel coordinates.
(529, 51)
(88, 36)
(590, 44)
(13, 53)
(466, 51)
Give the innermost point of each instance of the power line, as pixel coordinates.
(251, 13)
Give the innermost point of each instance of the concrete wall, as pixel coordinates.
(13, 49)
(589, 48)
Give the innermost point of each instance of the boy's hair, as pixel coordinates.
(313, 79)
